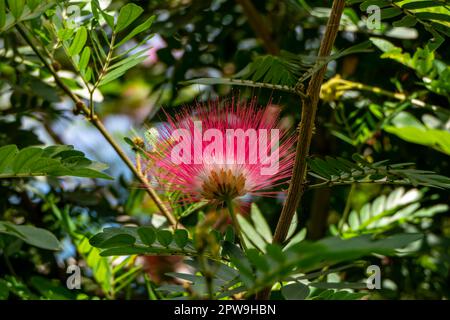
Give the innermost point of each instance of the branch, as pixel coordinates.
(82, 108)
(306, 127)
(329, 184)
(246, 83)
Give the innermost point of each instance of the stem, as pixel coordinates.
(236, 224)
(296, 187)
(81, 107)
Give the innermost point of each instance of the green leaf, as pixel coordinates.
(433, 16)
(295, 291)
(390, 13)
(406, 21)
(84, 60)
(421, 5)
(117, 240)
(386, 212)
(293, 226)
(51, 289)
(299, 237)
(24, 159)
(7, 155)
(50, 161)
(164, 237)
(16, 7)
(240, 261)
(181, 238)
(260, 223)
(339, 295)
(141, 28)
(309, 258)
(147, 235)
(127, 15)
(339, 285)
(130, 60)
(37, 237)
(78, 42)
(118, 72)
(103, 237)
(407, 127)
(250, 233)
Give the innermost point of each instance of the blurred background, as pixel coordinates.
(219, 38)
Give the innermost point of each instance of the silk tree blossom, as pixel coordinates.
(222, 151)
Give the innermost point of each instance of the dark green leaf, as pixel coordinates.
(120, 240)
(390, 13)
(147, 235)
(50, 161)
(37, 237)
(433, 16)
(421, 5)
(406, 21)
(181, 238)
(164, 237)
(295, 291)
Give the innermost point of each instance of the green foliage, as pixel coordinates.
(50, 161)
(259, 270)
(258, 234)
(390, 103)
(433, 15)
(144, 240)
(284, 72)
(98, 66)
(339, 171)
(338, 295)
(389, 211)
(224, 282)
(434, 72)
(21, 10)
(432, 134)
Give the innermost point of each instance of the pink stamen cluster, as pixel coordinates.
(222, 178)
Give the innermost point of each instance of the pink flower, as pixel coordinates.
(222, 151)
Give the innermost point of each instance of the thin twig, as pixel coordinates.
(82, 108)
